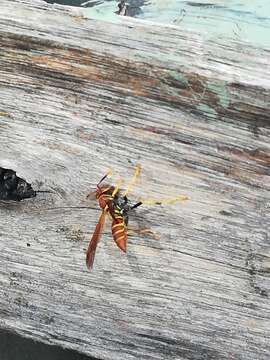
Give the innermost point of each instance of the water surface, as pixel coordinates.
(244, 20)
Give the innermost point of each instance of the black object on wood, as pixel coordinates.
(13, 187)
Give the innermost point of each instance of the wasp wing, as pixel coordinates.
(90, 255)
(91, 195)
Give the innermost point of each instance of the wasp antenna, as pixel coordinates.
(108, 174)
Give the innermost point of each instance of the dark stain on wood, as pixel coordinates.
(178, 348)
(139, 79)
(12, 187)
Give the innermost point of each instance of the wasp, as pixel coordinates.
(117, 206)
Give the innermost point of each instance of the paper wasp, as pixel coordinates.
(116, 205)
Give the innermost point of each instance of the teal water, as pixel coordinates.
(244, 20)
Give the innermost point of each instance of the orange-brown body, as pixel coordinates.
(115, 206)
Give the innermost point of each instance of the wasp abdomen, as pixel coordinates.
(119, 232)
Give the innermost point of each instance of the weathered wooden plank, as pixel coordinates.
(78, 96)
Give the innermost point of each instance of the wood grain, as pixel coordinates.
(78, 96)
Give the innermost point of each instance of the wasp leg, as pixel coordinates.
(117, 186)
(132, 231)
(133, 180)
(164, 201)
(136, 205)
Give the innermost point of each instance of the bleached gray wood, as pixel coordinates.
(78, 96)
